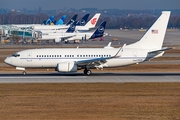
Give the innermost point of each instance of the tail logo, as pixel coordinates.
(83, 22)
(93, 21)
(72, 27)
(101, 29)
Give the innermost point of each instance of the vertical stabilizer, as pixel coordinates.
(99, 32)
(154, 37)
(83, 20)
(72, 19)
(61, 20)
(49, 20)
(72, 27)
(92, 23)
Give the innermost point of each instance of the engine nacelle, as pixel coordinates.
(66, 67)
(57, 40)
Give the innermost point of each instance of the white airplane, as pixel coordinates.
(61, 28)
(74, 59)
(99, 32)
(57, 37)
(70, 35)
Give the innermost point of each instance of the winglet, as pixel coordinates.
(119, 53)
(109, 45)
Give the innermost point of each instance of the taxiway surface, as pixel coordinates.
(94, 78)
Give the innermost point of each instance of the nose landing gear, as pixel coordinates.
(24, 73)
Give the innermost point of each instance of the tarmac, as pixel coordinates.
(94, 78)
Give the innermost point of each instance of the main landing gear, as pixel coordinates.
(87, 72)
(24, 73)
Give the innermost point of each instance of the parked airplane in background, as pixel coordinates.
(59, 36)
(74, 59)
(54, 27)
(71, 35)
(99, 32)
(89, 25)
(61, 28)
(28, 26)
(39, 30)
(48, 22)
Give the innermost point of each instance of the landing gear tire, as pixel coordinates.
(24, 73)
(66, 42)
(87, 72)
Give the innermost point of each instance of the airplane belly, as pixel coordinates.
(119, 62)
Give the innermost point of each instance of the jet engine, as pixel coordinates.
(66, 67)
(57, 40)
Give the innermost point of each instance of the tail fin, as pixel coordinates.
(72, 27)
(48, 21)
(92, 23)
(72, 19)
(154, 37)
(99, 32)
(61, 20)
(83, 21)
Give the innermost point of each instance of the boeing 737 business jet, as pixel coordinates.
(74, 59)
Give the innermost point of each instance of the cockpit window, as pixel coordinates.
(16, 55)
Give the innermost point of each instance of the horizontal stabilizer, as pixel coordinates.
(163, 49)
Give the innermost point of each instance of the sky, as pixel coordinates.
(100, 4)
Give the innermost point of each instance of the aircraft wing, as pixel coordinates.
(99, 62)
(66, 37)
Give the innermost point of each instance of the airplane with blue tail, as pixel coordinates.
(49, 20)
(60, 21)
(70, 35)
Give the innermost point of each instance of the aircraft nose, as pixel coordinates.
(7, 60)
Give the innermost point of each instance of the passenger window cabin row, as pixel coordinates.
(78, 56)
